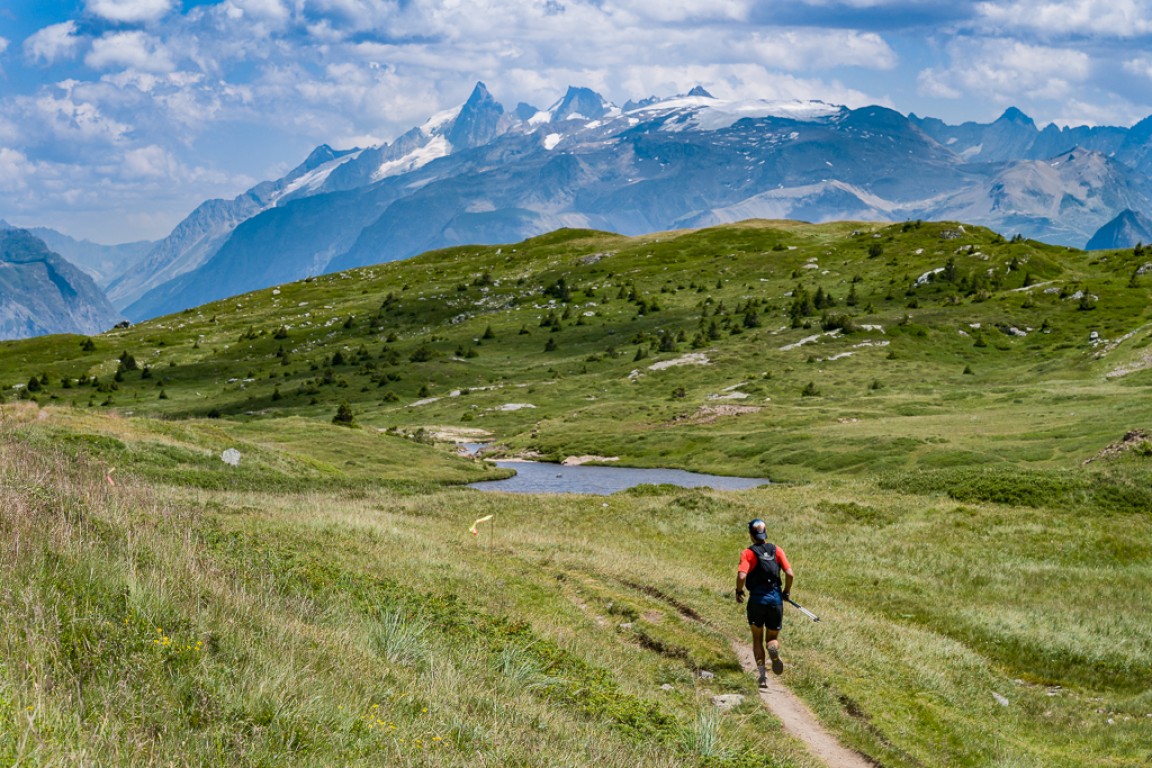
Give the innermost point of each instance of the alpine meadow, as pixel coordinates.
(239, 534)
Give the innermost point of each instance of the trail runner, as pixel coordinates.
(760, 568)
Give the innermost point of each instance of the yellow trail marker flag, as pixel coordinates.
(484, 519)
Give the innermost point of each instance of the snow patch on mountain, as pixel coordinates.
(708, 114)
(313, 180)
(436, 148)
(440, 121)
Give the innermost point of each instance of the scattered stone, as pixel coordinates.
(1002, 701)
(575, 461)
(231, 457)
(693, 358)
(709, 413)
(667, 687)
(726, 701)
(625, 625)
(705, 674)
(1135, 439)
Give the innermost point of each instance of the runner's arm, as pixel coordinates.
(747, 563)
(786, 569)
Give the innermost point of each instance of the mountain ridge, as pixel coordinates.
(43, 293)
(480, 173)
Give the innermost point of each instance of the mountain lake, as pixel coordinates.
(544, 477)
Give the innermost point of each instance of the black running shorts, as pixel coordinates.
(769, 615)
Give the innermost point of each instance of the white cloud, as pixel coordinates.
(73, 121)
(261, 16)
(53, 43)
(129, 11)
(1005, 71)
(1140, 66)
(675, 11)
(3, 44)
(1111, 18)
(1110, 111)
(150, 162)
(802, 49)
(134, 50)
(14, 167)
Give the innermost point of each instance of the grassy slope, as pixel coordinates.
(943, 523)
(894, 396)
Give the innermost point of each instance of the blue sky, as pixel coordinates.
(117, 117)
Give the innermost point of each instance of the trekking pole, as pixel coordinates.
(804, 610)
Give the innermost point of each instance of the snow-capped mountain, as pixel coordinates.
(480, 173)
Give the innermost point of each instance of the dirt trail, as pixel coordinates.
(798, 720)
(794, 714)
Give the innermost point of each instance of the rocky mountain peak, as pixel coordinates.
(1015, 116)
(580, 101)
(1126, 230)
(479, 120)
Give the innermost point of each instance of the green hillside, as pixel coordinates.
(840, 353)
(956, 423)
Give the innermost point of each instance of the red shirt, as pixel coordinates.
(748, 560)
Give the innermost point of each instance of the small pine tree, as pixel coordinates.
(810, 390)
(488, 333)
(344, 416)
(551, 345)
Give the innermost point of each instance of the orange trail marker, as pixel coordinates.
(473, 529)
(108, 476)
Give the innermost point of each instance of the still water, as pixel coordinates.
(539, 477)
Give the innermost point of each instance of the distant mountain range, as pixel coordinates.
(483, 174)
(103, 263)
(42, 293)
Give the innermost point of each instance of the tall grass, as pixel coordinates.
(144, 633)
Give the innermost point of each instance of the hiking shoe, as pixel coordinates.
(763, 682)
(777, 662)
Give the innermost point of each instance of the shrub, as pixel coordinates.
(344, 416)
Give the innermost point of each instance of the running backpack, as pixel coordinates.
(766, 574)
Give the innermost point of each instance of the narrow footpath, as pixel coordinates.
(798, 720)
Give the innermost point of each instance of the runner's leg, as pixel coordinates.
(773, 636)
(758, 644)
